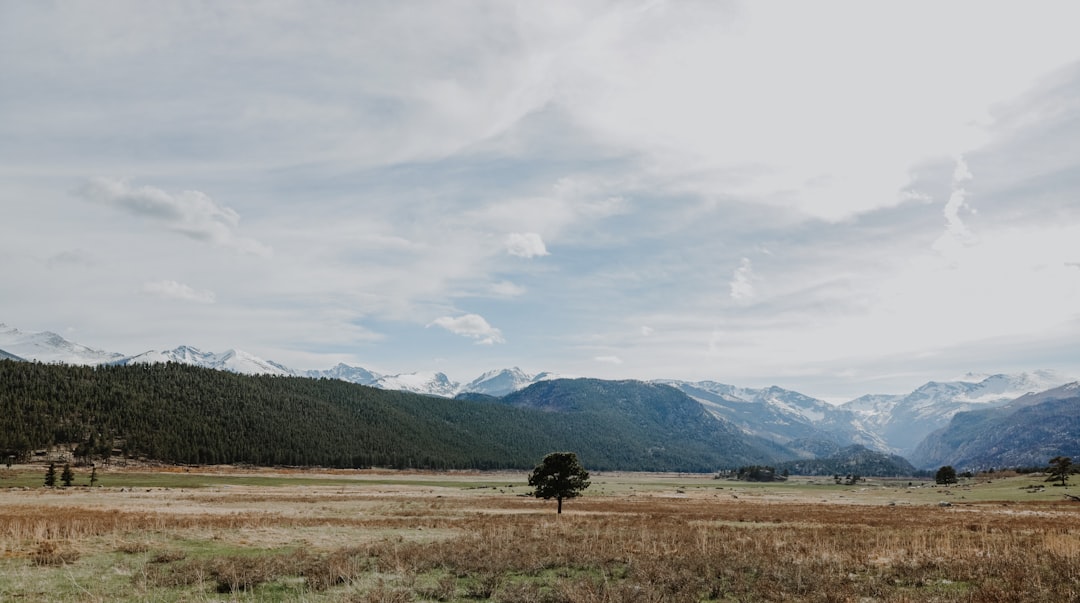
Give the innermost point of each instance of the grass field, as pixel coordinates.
(232, 534)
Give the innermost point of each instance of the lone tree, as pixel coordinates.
(946, 475)
(560, 475)
(1060, 468)
(50, 476)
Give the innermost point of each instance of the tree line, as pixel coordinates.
(191, 415)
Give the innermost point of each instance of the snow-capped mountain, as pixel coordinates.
(344, 372)
(236, 361)
(492, 383)
(499, 382)
(1025, 432)
(904, 420)
(781, 415)
(505, 381)
(434, 384)
(46, 346)
(6, 356)
(885, 422)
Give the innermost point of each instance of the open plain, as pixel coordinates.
(245, 534)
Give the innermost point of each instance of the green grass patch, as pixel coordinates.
(34, 477)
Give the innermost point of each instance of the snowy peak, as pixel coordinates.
(236, 361)
(903, 420)
(781, 415)
(782, 400)
(46, 346)
(344, 372)
(500, 382)
(1013, 386)
(239, 361)
(435, 384)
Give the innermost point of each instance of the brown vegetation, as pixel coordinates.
(461, 545)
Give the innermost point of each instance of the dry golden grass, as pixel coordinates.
(422, 544)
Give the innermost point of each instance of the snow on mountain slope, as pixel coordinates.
(344, 372)
(435, 384)
(778, 414)
(45, 346)
(6, 356)
(904, 420)
(237, 361)
(1025, 432)
(504, 381)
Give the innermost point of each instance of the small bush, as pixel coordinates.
(52, 553)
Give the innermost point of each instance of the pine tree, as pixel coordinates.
(1060, 468)
(560, 475)
(67, 476)
(50, 476)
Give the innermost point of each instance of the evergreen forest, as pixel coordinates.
(182, 414)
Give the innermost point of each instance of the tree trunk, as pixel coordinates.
(560, 506)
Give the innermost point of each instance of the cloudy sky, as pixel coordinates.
(835, 197)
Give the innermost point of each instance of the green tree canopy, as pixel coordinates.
(946, 475)
(560, 475)
(67, 477)
(1060, 468)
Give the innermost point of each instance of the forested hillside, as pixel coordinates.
(853, 460)
(1027, 432)
(645, 421)
(184, 414)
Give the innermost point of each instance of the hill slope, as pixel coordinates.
(647, 423)
(903, 421)
(800, 422)
(1026, 432)
(853, 460)
(186, 414)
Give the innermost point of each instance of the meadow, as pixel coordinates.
(232, 534)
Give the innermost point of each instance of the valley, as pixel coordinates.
(244, 534)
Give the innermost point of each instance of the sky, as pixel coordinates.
(835, 197)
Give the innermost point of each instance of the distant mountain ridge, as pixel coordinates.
(656, 422)
(794, 419)
(802, 425)
(46, 346)
(1026, 432)
(236, 361)
(904, 420)
(186, 414)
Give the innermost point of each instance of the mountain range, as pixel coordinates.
(807, 427)
(1025, 432)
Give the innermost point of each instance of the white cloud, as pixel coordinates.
(507, 289)
(470, 325)
(755, 103)
(525, 245)
(961, 173)
(174, 290)
(608, 359)
(742, 285)
(191, 213)
(647, 145)
(956, 233)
